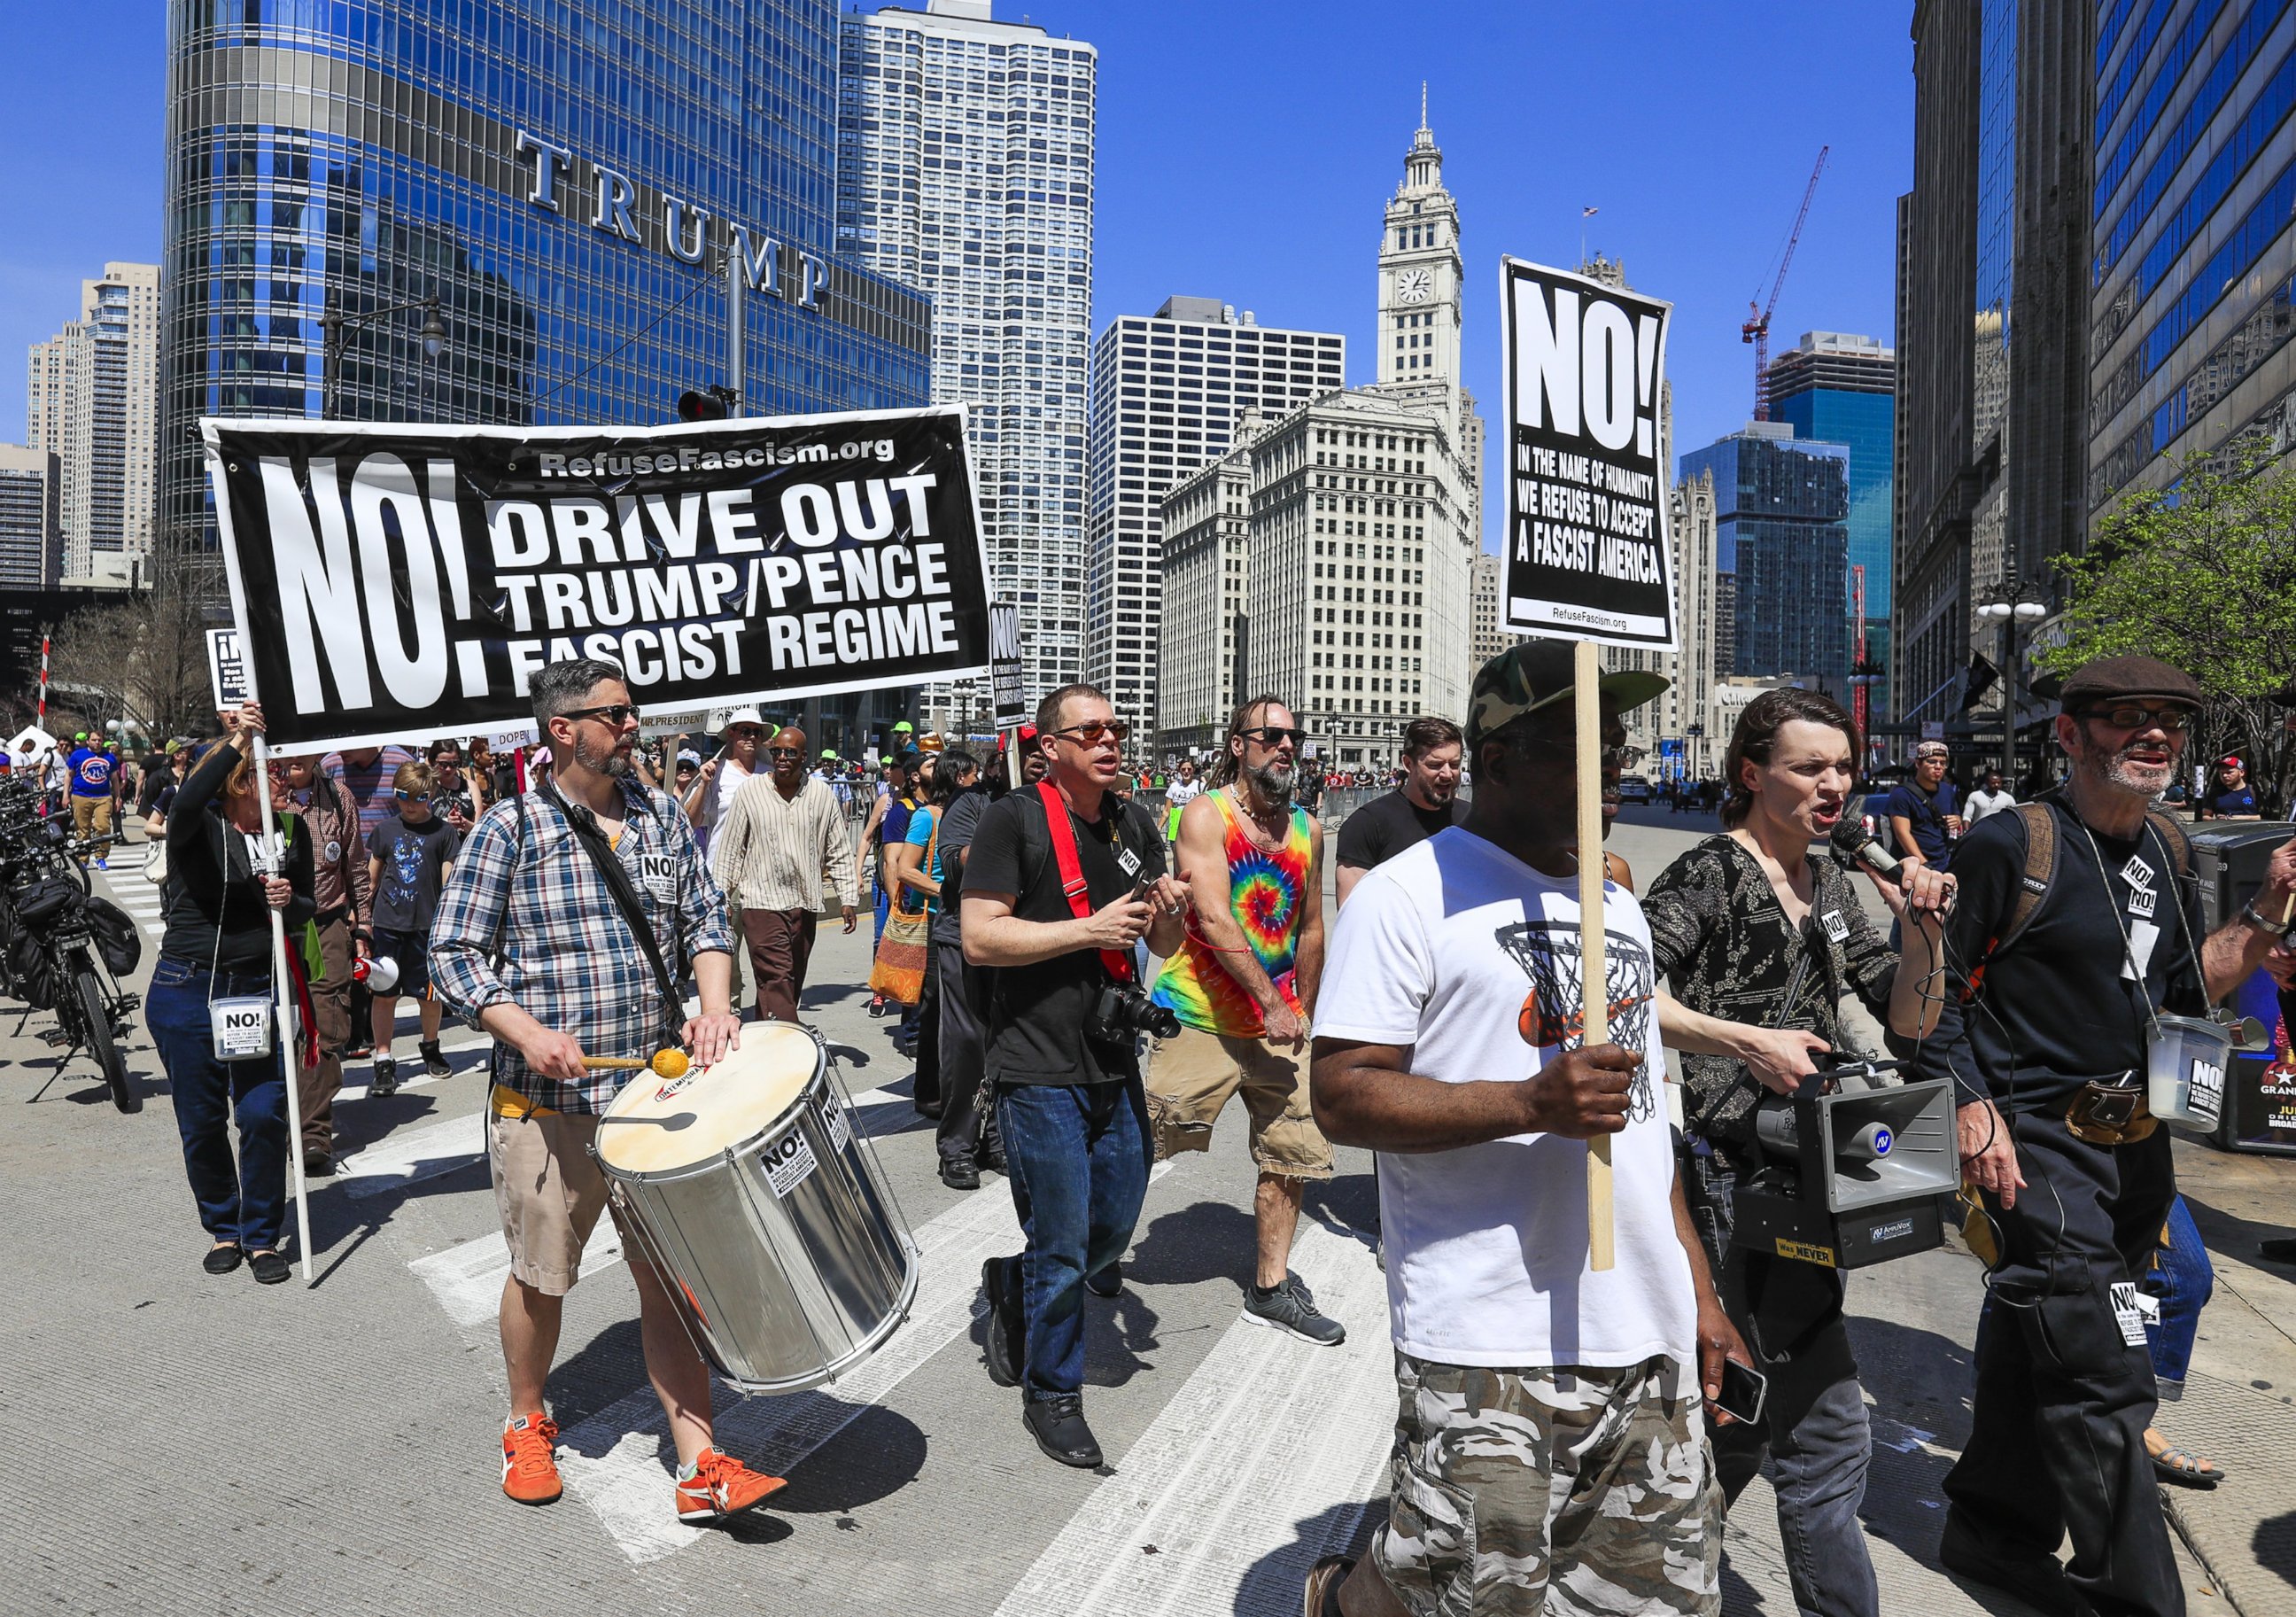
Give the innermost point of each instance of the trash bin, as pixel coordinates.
(2259, 1110)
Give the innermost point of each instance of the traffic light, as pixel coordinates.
(708, 405)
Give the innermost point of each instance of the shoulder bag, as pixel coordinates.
(898, 970)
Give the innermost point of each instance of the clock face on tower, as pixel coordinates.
(1413, 285)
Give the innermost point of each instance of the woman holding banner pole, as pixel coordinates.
(223, 954)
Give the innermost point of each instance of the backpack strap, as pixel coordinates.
(2175, 838)
(2040, 831)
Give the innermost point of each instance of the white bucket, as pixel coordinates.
(2186, 1060)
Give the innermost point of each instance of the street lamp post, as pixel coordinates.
(1864, 674)
(2012, 602)
(335, 325)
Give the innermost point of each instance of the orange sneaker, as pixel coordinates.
(721, 1486)
(529, 1462)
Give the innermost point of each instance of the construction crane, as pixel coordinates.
(1757, 329)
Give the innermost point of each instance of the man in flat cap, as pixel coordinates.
(2079, 926)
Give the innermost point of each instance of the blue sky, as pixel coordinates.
(1246, 150)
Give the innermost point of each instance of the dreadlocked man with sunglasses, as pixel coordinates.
(2052, 986)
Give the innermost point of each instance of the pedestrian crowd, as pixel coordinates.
(1084, 986)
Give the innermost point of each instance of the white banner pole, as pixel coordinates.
(289, 1046)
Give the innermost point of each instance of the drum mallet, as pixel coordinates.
(662, 1063)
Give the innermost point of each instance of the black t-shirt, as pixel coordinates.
(2059, 1007)
(414, 870)
(1386, 826)
(1036, 1023)
(958, 823)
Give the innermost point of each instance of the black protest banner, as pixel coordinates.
(1588, 554)
(395, 580)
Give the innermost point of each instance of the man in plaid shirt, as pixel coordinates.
(531, 946)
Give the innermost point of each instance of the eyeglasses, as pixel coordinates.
(1094, 731)
(615, 713)
(2175, 720)
(784, 752)
(1275, 735)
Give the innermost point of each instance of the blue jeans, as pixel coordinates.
(1078, 1158)
(2183, 1279)
(244, 1201)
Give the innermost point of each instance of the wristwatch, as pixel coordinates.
(2255, 918)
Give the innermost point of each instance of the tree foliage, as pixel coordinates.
(142, 658)
(2201, 574)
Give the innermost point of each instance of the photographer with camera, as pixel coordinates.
(1760, 937)
(2076, 937)
(1055, 896)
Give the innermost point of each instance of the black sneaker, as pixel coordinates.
(2037, 1579)
(1291, 1308)
(1057, 1424)
(960, 1173)
(319, 1164)
(434, 1058)
(1108, 1283)
(1003, 1346)
(386, 1076)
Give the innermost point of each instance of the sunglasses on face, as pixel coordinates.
(615, 713)
(1094, 731)
(2174, 720)
(784, 752)
(1274, 735)
(405, 796)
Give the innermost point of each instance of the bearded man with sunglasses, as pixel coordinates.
(781, 849)
(2053, 985)
(1057, 890)
(1243, 989)
(533, 944)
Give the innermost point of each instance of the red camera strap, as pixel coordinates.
(1072, 882)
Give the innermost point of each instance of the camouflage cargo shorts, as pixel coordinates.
(1574, 1492)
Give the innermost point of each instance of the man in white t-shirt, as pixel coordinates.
(1991, 799)
(1550, 1452)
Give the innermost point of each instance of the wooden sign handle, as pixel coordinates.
(1585, 682)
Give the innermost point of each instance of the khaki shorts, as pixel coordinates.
(1558, 1490)
(1192, 1077)
(550, 1191)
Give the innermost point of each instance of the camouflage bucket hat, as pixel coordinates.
(1536, 674)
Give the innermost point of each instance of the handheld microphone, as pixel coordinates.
(1851, 838)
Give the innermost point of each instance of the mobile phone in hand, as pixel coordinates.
(1743, 1392)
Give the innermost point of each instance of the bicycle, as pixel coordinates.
(57, 949)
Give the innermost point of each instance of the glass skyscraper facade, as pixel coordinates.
(2193, 260)
(566, 179)
(1839, 389)
(1782, 537)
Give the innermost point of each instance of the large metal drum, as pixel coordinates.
(767, 1211)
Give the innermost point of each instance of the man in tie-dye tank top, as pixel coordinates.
(1243, 988)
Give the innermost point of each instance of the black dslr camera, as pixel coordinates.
(1122, 1011)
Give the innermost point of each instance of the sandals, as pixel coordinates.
(2178, 1469)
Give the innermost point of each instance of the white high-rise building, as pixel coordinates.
(1364, 526)
(95, 405)
(965, 168)
(1486, 639)
(1167, 392)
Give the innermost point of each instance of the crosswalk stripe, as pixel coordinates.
(411, 1156)
(467, 1280)
(1259, 1464)
(612, 1462)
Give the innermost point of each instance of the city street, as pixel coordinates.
(182, 1444)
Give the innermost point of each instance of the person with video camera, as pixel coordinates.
(1759, 933)
(2077, 930)
(1056, 892)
